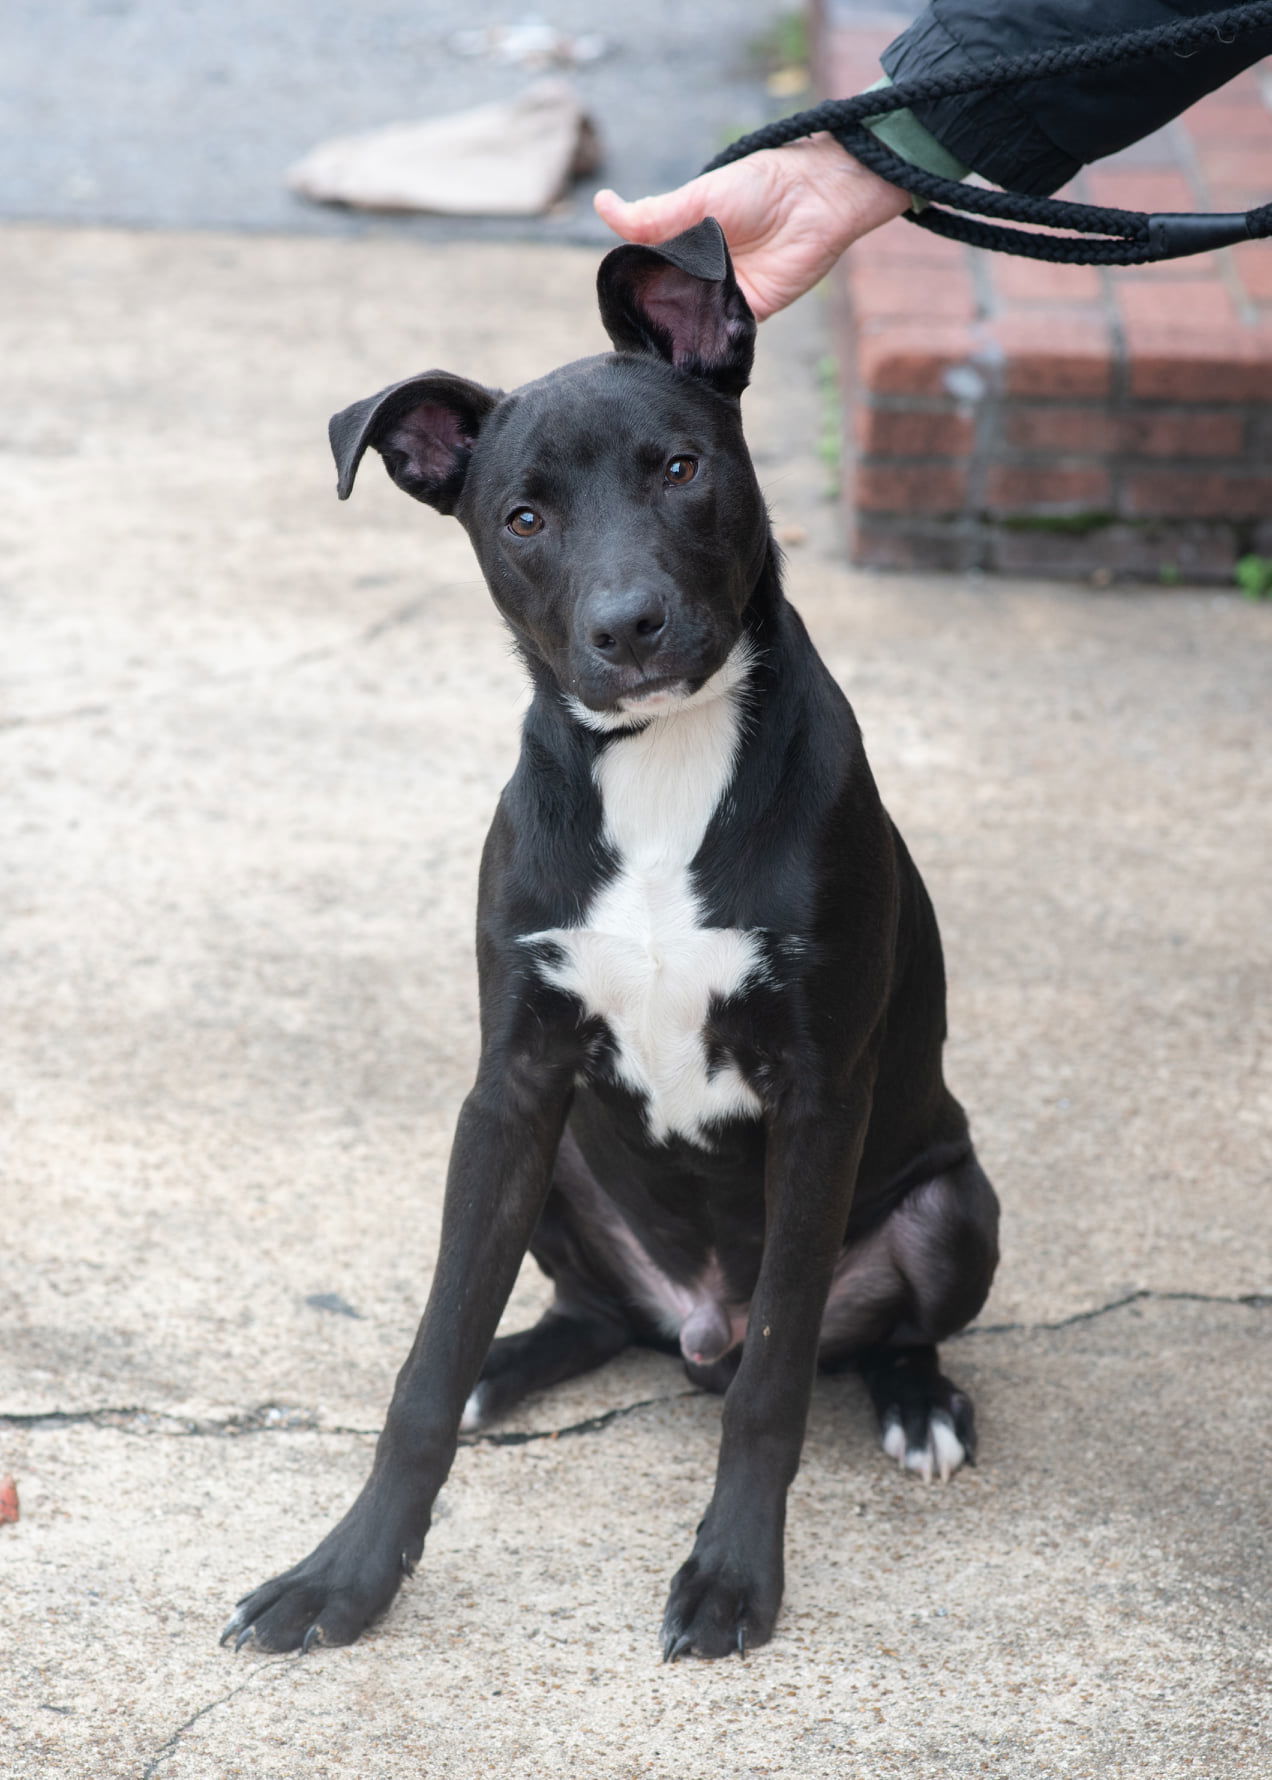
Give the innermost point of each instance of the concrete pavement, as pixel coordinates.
(250, 742)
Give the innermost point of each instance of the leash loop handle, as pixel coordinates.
(1120, 237)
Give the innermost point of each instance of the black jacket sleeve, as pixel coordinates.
(1034, 137)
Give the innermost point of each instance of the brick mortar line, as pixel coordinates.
(991, 362)
(1194, 170)
(895, 402)
(1038, 458)
(1120, 400)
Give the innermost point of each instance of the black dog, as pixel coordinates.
(710, 1098)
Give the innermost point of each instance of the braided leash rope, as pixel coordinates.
(1124, 237)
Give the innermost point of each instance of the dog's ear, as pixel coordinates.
(681, 301)
(424, 428)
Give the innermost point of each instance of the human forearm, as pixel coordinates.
(1034, 137)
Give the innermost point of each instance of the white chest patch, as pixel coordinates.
(640, 958)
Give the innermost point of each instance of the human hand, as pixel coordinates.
(787, 215)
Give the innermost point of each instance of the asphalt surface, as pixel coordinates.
(159, 116)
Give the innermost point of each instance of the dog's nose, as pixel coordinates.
(626, 626)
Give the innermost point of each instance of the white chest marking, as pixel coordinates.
(640, 958)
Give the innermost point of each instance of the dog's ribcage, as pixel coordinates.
(640, 958)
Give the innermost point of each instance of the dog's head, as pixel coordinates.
(612, 504)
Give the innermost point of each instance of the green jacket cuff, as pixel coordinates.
(902, 132)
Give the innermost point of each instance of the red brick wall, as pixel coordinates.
(1005, 413)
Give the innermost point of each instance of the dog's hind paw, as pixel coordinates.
(474, 1415)
(933, 1450)
(925, 1423)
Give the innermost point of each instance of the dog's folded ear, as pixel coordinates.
(681, 301)
(424, 428)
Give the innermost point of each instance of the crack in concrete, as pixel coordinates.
(277, 1418)
(274, 1418)
(268, 1418)
(591, 1425)
(1250, 1300)
(169, 1748)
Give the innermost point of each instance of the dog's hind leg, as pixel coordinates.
(563, 1343)
(920, 1275)
(582, 1328)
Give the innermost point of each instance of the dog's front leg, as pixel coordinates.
(507, 1136)
(726, 1596)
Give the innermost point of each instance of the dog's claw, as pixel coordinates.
(230, 1628)
(244, 1637)
(742, 1642)
(676, 1647)
(312, 1636)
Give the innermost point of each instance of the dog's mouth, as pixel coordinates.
(657, 694)
(639, 702)
(652, 696)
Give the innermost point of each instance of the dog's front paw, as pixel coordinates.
(330, 1598)
(721, 1602)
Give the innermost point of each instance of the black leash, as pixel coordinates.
(1126, 237)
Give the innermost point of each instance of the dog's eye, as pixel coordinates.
(681, 469)
(525, 522)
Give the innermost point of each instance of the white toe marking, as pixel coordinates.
(946, 1445)
(894, 1439)
(940, 1455)
(471, 1419)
